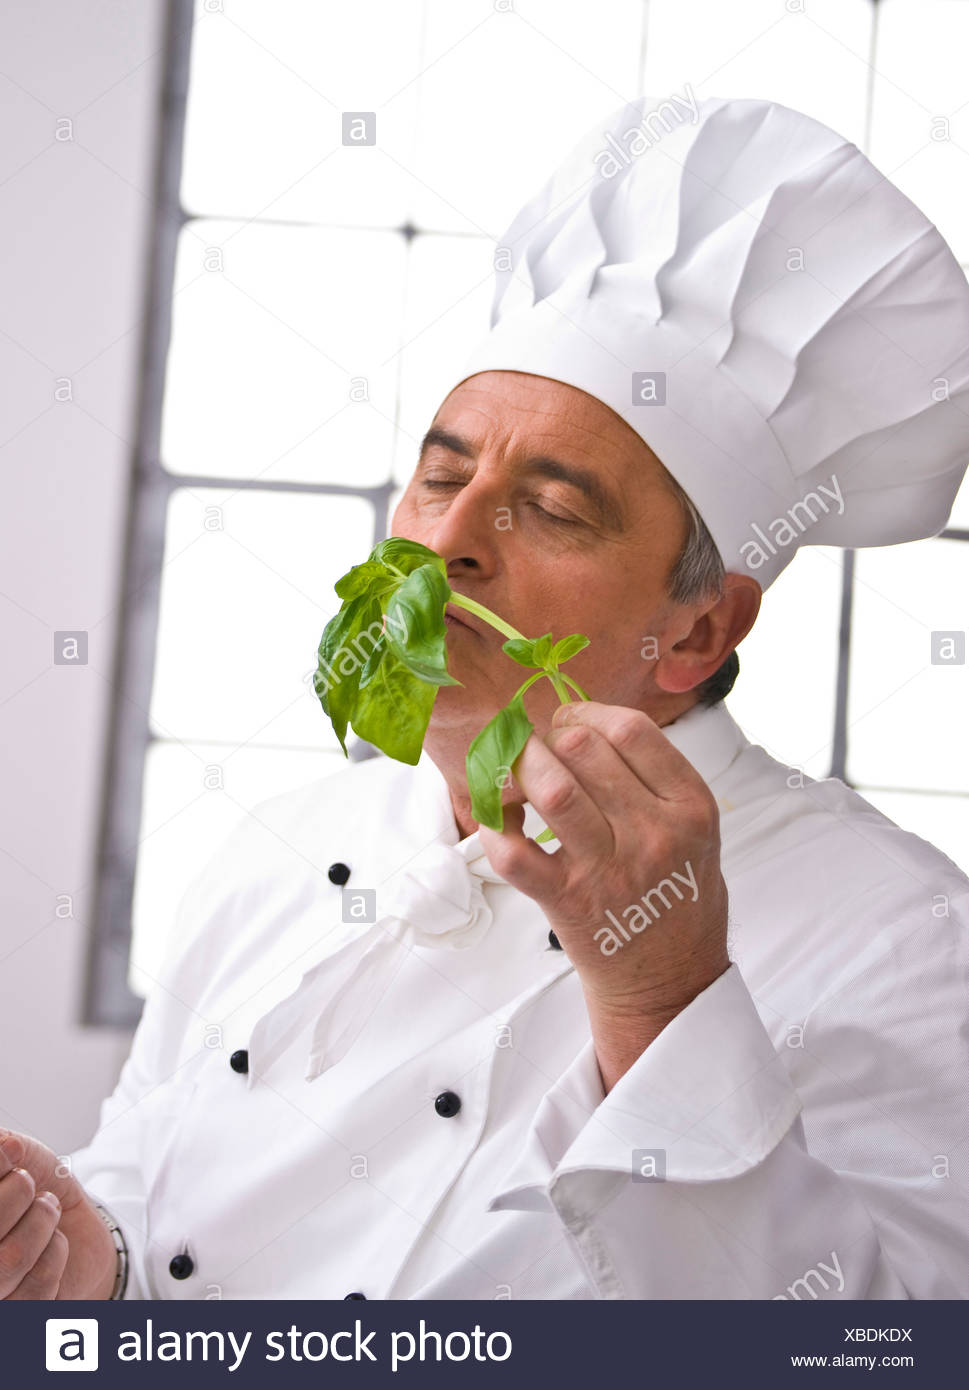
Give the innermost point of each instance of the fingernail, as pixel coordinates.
(51, 1199)
(13, 1150)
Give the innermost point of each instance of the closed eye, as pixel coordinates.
(554, 516)
(543, 511)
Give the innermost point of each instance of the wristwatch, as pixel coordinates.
(121, 1276)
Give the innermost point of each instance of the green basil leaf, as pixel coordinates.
(382, 658)
(345, 647)
(547, 834)
(393, 708)
(337, 631)
(383, 689)
(520, 649)
(490, 757)
(370, 577)
(416, 631)
(529, 651)
(568, 647)
(407, 555)
(543, 648)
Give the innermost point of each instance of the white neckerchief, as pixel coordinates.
(436, 899)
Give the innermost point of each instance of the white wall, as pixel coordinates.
(76, 218)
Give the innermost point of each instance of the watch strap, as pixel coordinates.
(120, 1245)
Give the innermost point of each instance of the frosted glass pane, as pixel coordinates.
(785, 694)
(282, 362)
(907, 717)
(269, 85)
(242, 611)
(920, 84)
(450, 286)
(815, 61)
(506, 93)
(942, 820)
(194, 795)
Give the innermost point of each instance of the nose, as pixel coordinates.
(464, 534)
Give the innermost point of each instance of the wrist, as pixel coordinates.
(623, 1027)
(650, 1009)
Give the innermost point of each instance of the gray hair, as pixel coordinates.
(697, 575)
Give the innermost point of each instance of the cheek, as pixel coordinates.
(626, 628)
(403, 520)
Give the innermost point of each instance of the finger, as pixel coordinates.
(608, 779)
(49, 1172)
(43, 1281)
(17, 1191)
(640, 742)
(525, 865)
(11, 1153)
(22, 1246)
(562, 801)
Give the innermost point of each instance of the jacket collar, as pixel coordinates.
(709, 737)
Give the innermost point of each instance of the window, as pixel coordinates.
(308, 296)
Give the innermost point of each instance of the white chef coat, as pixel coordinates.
(806, 1114)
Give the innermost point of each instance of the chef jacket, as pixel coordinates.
(332, 1093)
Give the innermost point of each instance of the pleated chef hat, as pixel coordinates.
(782, 326)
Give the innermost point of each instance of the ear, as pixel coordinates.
(716, 631)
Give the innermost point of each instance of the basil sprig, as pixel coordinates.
(383, 657)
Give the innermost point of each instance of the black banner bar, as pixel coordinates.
(267, 1343)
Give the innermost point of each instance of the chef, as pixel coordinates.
(710, 1041)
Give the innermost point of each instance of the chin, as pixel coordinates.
(459, 704)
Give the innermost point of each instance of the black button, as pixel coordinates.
(353, 1295)
(554, 942)
(447, 1104)
(181, 1266)
(338, 873)
(239, 1061)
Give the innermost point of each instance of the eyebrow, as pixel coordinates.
(587, 482)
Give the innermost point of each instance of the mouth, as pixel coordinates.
(459, 617)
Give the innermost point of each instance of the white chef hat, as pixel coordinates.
(782, 326)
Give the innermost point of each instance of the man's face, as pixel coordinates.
(551, 511)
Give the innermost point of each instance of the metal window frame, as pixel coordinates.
(107, 997)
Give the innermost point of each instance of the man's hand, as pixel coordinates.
(634, 894)
(53, 1244)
